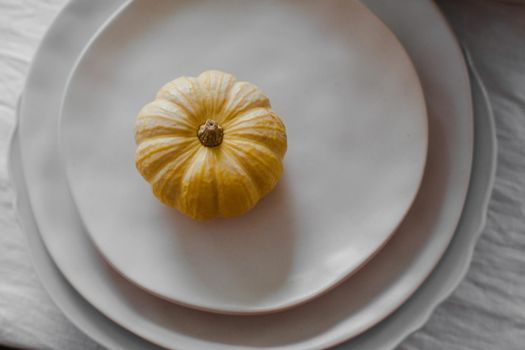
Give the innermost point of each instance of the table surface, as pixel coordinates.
(487, 311)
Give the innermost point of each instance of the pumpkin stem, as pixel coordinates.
(210, 133)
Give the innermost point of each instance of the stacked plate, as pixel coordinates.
(356, 245)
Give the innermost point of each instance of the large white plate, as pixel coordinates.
(357, 142)
(169, 325)
(44, 87)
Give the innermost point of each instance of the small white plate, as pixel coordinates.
(357, 142)
(364, 300)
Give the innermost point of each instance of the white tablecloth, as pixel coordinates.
(486, 312)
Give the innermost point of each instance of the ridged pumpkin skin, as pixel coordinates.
(218, 180)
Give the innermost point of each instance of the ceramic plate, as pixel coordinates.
(400, 270)
(357, 142)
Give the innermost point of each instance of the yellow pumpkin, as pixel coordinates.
(210, 146)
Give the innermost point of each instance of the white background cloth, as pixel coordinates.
(486, 312)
